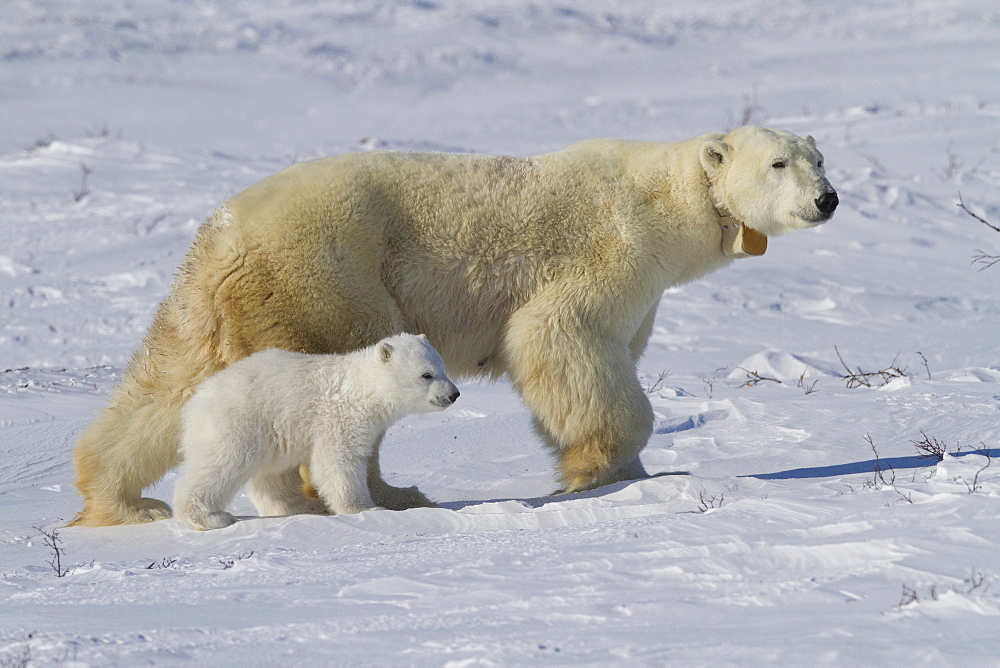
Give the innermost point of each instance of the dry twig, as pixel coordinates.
(929, 446)
(981, 257)
(861, 378)
(754, 378)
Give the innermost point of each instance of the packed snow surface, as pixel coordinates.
(795, 516)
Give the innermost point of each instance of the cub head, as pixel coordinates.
(771, 180)
(414, 374)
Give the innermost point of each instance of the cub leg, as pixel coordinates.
(339, 471)
(210, 478)
(281, 494)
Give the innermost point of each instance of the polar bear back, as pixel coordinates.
(459, 242)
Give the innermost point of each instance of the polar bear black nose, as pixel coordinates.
(827, 202)
(453, 398)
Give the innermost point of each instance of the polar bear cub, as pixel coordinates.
(263, 417)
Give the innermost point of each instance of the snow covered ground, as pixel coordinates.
(800, 526)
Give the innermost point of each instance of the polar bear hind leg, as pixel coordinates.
(216, 466)
(127, 447)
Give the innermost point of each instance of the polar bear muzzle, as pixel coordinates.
(445, 400)
(827, 203)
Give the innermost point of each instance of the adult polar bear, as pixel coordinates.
(547, 268)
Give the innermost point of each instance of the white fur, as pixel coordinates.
(748, 183)
(547, 269)
(263, 417)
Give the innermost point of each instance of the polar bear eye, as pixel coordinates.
(819, 164)
(778, 164)
(428, 376)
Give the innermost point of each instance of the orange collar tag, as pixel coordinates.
(738, 240)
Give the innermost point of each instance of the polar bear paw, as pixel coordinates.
(152, 510)
(219, 519)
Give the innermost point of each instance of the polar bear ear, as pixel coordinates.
(422, 337)
(385, 352)
(812, 142)
(713, 155)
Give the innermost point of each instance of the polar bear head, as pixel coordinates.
(771, 180)
(411, 375)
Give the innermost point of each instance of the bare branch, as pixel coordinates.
(975, 486)
(879, 469)
(927, 367)
(977, 581)
(961, 205)
(930, 447)
(83, 191)
(908, 596)
(54, 543)
(986, 260)
(658, 383)
(754, 378)
(810, 388)
(861, 378)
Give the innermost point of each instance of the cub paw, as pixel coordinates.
(208, 521)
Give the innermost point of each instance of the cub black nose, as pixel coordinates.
(827, 202)
(453, 398)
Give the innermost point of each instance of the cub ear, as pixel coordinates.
(812, 142)
(713, 155)
(385, 352)
(422, 336)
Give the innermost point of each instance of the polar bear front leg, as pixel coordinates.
(582, 387)
(338, 469)
(634, 470)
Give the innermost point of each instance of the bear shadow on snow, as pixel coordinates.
(867, 466)
(559, 497)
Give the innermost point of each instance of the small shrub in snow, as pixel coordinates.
(21, 658)
(54, 543)
(861, 378)
(927, 367)
(229, 563)
(974, 486)
(931, 447)
(707, 503)
(879, 480)
(80, 193)
(908, 597)
(754, 378)
(981, 257)
(658, 383)
(977, 581)
(804, 385)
